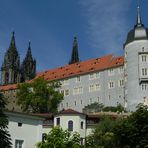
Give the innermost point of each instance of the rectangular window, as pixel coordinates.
(77, 90)
(66, 92)
(120, 82)
(65, 82)
(94, 75)
(19, 143)
(97, 87)
(91, 76)
(144, 87)
(75, 103)
(121, 70)
(91, 88)
(97, 74)
(111, 72)
(144, 58)
(80, 90)
(78, 79)
(57, 121)
(19, 124)
(144, 72)
(82, 124)
(111, 85)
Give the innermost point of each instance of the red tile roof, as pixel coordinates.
(98, 64)
(8, 87)
(69, 111)
(92, 65)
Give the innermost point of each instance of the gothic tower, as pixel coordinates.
(11, 65)
(74, 55)
(136, 65)
(28, 67)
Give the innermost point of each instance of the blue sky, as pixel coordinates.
(101, 27)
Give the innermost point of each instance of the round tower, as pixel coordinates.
(136, 65)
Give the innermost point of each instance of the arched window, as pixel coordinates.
(70, 125)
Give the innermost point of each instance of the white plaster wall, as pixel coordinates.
(30, 132)
(76, 123)
(133, 93)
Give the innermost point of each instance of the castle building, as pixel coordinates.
(136, 65)
(12, 71)
(109, 80)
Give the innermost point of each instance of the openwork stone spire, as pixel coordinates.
(28, 66)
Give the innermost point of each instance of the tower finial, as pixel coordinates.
(12, 43)
(139, 21)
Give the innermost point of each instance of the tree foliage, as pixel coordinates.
(130, 132)
(97, 107)
(133, 131)
(39, 96)
(94, 107)
(118, 108)
(5, 140)
(102, 135)
(59, 138)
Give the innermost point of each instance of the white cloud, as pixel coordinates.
(106, 24)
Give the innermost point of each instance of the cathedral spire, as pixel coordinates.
(139, 21)
(75, 55)
(28, 67)
(29, 54)
(12, 43)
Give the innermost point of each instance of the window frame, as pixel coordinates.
(70, 125)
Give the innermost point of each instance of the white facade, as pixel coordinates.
(105, 86)
(77, 121)
(25, 130)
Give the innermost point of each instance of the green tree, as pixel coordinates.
(133, 131)
(118, 108)
(59, 138)
(39, 96)
(102, 135)
(130, 132)
(94, 107)
(5, 140)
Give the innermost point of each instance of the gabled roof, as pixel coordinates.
(79, 68)
(69, 112)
